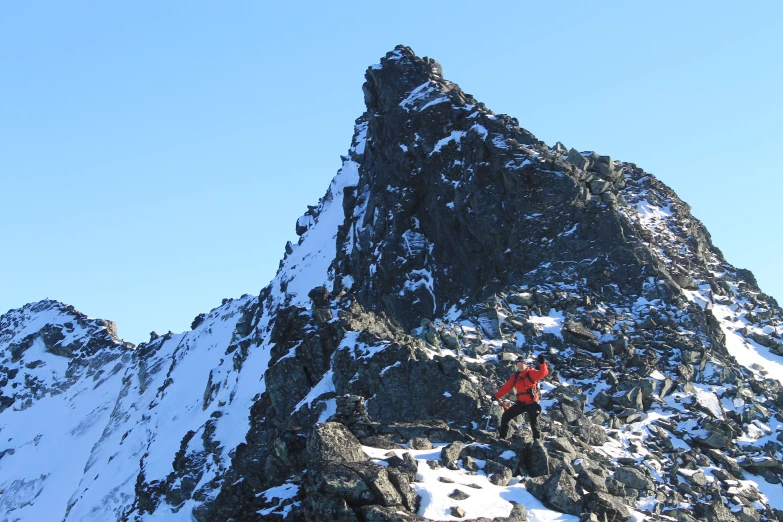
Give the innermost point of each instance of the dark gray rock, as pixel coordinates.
(377, 478)
(557, 491)
(450, 454)
(458, 494)
(577, 159)
(715, 440)
(575, 332)
(332, 442)
(748, 514)
(407, 465)
(591, 434)
(539, 460)
(335, 480)
(608, 506)
(713, 512)
(630, 399)
(633, 478)
(420, 443)
(497, 473)
(562, 444)
(318, 507)
(385, 514)
(402, 484)
(590, 481)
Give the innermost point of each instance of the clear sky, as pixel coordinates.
(154, 156)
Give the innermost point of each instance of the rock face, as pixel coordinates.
(333, 442)
(450, 243)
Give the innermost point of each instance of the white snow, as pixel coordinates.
(325, 385)
(746, 351)
(552, 323)
(308, 266)
(418, 94)
(454, 136)
(709, 400)
(434, 102)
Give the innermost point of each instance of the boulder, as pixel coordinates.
(318, 507)
(748, 514)
(450, 454)
(590, 481)
(557, 491)
(633, 478)
(420, 443)
(599, 186)
(562, 444)
(539, 460)
(715, 440)
(608, 507)
(591, 434)
(402, 484)
(458, 494)
(575, 333)
(377, 478)
(497, 473)
(576, 159)
(449, 339)
(631, 399)
(384, 514)
(335, 480)
(333, 442)
(602, 400)
(713, 511)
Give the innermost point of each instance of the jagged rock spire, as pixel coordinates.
(399, 72)
(455, 201)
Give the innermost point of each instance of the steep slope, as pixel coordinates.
(60, 373)
(450, 243)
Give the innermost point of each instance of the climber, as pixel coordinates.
(524, 381)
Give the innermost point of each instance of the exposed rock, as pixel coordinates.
(458, 494)
(574, 332)
(377, 478)
(332, 442)
(539, 460)
(498, 474)
(558, 491)
(590, 481)
(608, 506)
(420, 443)
(633, 478)
(450, 454)
(714, 512)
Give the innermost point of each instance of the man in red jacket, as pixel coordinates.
(524, 382)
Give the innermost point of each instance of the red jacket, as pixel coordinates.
(525, 384)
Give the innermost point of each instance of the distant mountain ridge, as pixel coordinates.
(450, 242)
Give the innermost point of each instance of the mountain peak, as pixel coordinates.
(392, 80)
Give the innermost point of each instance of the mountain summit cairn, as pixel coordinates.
(450, 246)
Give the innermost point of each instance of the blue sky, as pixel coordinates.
(154, 156)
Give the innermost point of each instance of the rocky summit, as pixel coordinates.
(356, 386)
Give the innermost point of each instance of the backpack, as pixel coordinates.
(532, 391)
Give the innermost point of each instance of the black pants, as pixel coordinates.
(532, 409)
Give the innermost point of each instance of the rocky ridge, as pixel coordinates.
(451, 242)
